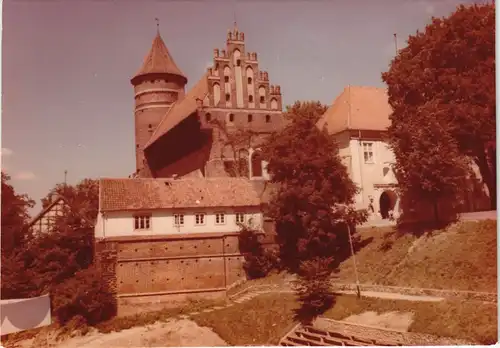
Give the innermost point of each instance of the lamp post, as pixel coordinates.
(358, 290)
(343, 208)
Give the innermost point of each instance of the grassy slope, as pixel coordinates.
(462, 257)
(267, 318)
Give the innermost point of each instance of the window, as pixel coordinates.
(220, 219)
(226, 79)
(142, 222)
(228, 97)
(240, 218)
(268, 118)
(249, 80)
(250, 118)
(250, 98)
(368, 152)
(238, 62)
(208, 117)
(231, 117)
(179, 219)
(150, 126)
(262, 99)
(199, 219)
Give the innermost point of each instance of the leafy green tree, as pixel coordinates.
(312, 110)
(14, 216)
(429, 164)
(447, 71)
(311, 181)
(82, 200)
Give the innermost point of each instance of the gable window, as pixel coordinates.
(142, 222)
(226, 79)
(368, 152)
(240, 218)
(179, 219)
(220, 219)
(199, 219)
(228, 97)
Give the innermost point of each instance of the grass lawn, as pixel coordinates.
(272, 279)
(462, 257)
(475, 321)
(267, 318)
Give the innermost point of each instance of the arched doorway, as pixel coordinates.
(387, 202)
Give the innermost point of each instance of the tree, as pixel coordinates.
(311, 181)
(14, 216)
(312, 110)
(235, 143)
(450, 68)
(82, 200)
(428, 165)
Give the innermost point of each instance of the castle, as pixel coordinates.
(188, 134)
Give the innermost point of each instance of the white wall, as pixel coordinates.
(366, 175)
(115, 224)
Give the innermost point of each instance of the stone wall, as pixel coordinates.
(157, 269)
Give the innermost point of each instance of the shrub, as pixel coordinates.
(85, 295)
(314, 289)
(258, 260)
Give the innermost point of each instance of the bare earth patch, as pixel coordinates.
(173, 333)
(399, 321)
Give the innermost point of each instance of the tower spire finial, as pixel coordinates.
(157, 25)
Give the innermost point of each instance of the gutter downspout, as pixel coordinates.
(360, 152)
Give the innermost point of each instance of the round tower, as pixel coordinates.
(157, 86)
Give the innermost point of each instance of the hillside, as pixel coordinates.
(461, 257)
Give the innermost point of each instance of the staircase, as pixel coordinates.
(310, 336)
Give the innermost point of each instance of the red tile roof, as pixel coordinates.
(181, 109)
(150, 194)
(358, 108)
(159, 60)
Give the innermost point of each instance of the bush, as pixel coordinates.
(314, 289)
(258, 260)
(85, 295)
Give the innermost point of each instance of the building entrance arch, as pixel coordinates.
(387, 202)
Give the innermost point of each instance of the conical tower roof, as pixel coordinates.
(159, 61)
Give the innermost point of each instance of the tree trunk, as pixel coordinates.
(436, 212)
(488, 175)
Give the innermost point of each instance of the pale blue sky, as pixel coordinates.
(67, 101)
